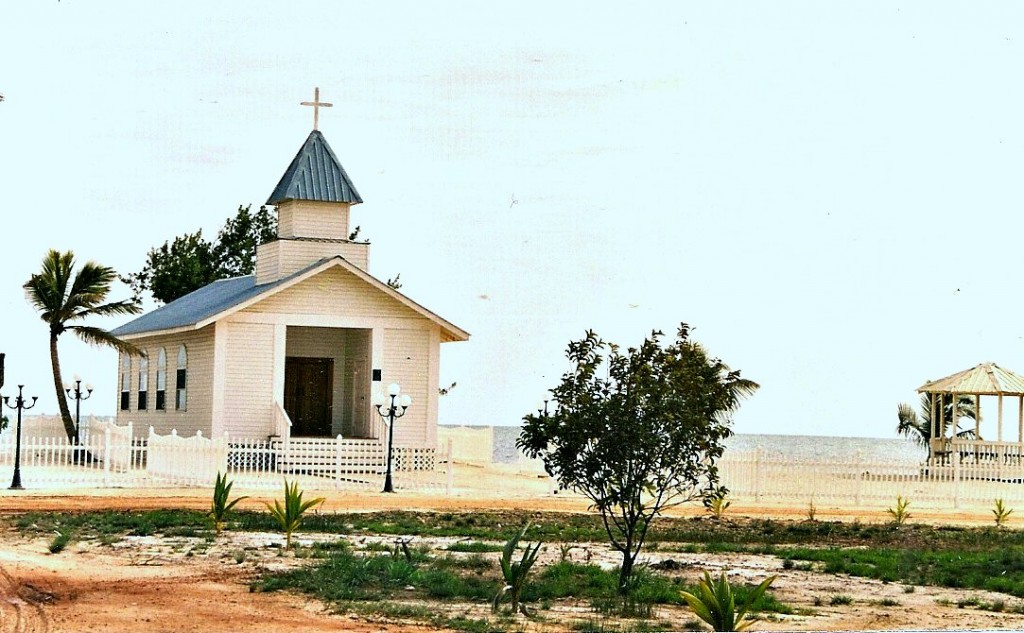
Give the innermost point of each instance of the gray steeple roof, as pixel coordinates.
(315, 174)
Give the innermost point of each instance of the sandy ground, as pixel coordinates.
(157, 585)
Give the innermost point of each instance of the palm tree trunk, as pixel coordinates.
(58, 385)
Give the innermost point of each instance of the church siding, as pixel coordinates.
(197, 414)
(306, 218)
(294, 255)
(248, 381)
(406, 356)
(335, 293)
(281, 258)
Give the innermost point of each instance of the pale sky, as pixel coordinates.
(830, 193)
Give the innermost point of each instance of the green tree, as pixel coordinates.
(63, 297)
(235, 251)
(918, 426)
(637, 432)
(190, 262)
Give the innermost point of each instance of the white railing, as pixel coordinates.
(186, 460)
(282, 423)
(109, 457)
(111, 443)
(982, 451)
(950, 481)
(337, 463)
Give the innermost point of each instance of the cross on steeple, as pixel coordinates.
(317, 104)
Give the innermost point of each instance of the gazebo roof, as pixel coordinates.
(986, 379)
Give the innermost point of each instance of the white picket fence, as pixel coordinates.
(955, 482)
(185, 460)
(109, 456)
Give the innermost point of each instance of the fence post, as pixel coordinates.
(106, 456)
(757, 474)
(956, 478)
(337, 462)
(131, 447)
(450, 473)
(860, 478)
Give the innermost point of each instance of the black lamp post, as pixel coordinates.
(390, 408)
(19, 404)
(76, 393)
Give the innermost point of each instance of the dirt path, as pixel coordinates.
(148, 587)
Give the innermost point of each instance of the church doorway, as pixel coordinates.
(327, 382)
(308, 395)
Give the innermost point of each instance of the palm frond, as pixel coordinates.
(113, 308)
(47, 289)
(100, 337)
(90, 286)
(911, 426)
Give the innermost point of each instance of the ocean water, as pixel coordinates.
(892, 450)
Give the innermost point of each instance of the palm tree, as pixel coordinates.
(62, 299)
(918, 427)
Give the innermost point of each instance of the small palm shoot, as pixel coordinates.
(1002, 513)
(289, 516)
(221, 504)
(716, 503)
(515, 574)
(900, 514)
(717, 606)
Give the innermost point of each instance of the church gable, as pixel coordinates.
(334, 292)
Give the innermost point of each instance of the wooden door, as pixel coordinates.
(308, 393)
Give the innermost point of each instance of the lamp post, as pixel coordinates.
(390, 408)
(19, 404)
(76, 393)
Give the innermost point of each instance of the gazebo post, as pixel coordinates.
(999, 436)
(1020, 420)
(956, 418)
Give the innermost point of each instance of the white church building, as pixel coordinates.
(299, 348)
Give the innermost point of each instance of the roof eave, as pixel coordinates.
(174, 330)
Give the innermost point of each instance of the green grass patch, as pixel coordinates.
(1000, 570)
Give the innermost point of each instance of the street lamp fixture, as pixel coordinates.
(390, 407)
(75, 392)
(19, 404)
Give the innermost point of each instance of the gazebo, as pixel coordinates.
(986, 379)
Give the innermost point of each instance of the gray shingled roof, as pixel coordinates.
(221, 296)
(315, 174)
(196, 306)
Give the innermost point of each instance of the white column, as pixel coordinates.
(220, 357)
(280, 343)
(999, 436)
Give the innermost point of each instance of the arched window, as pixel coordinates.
(161, 380)
(126, 381)
(181, 380)
(143, 383)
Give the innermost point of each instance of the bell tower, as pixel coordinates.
(313, 199)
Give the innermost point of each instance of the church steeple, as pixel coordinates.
(313, 199)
